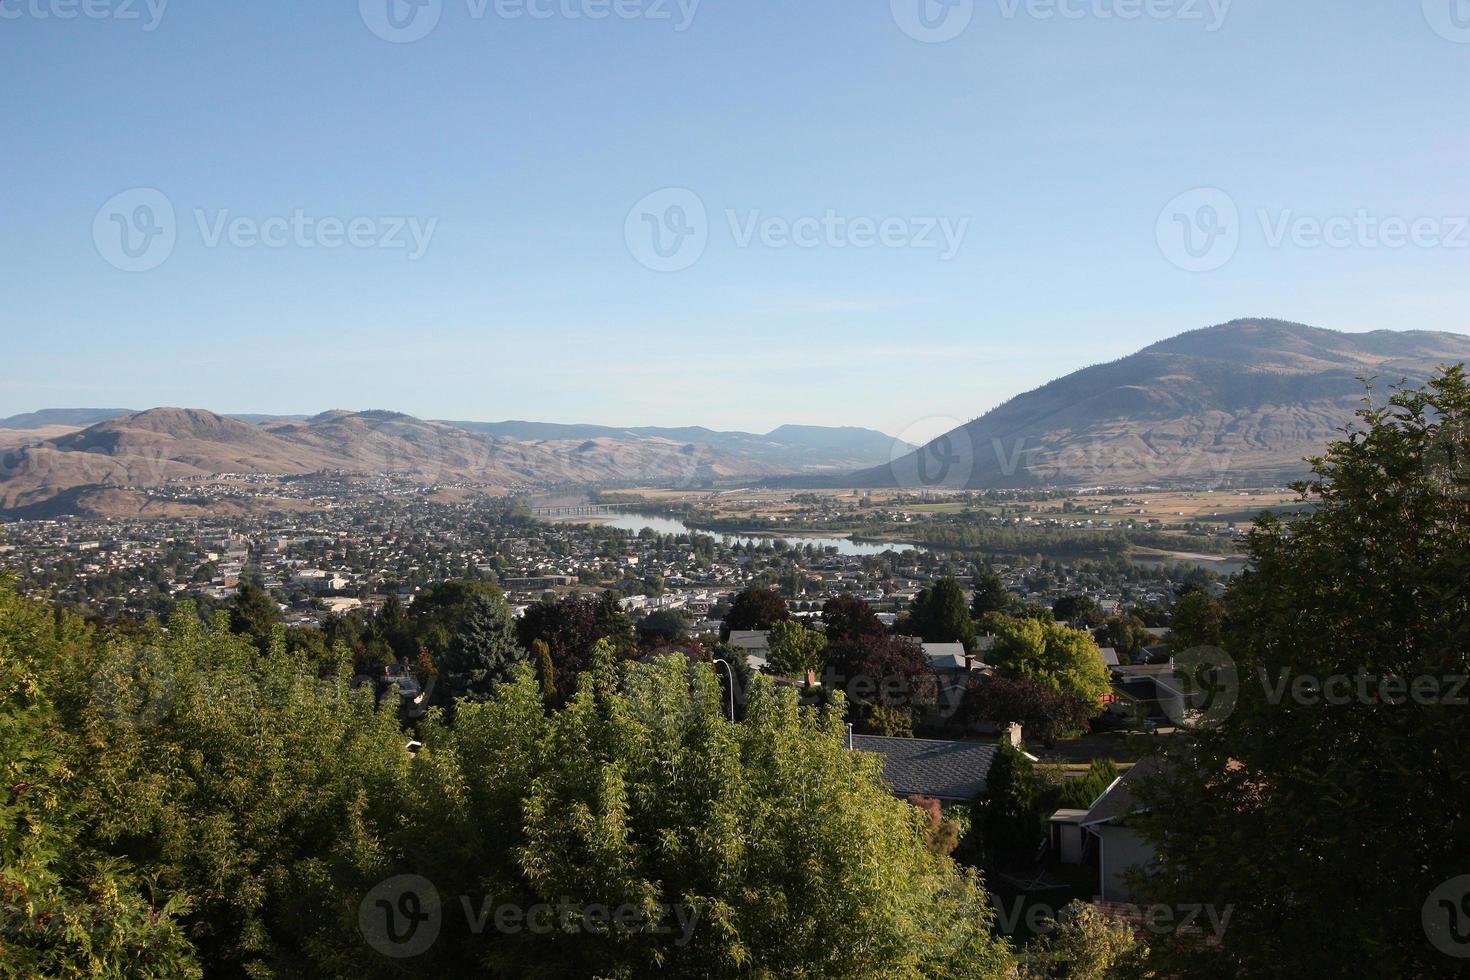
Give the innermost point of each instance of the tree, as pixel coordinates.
(1065, 659)
(1043, 712)
(481, 654)
(571, 628)
(69, 908)
(795, 649)
(939, 614)
(254, 613)
(990, 596)
(1012, 824)
(1077, 610)
(1126, 634)
(545, 668)
(1198, 621)
(662, 626)
(1080, 794)
(881, 671)
(1329, 823)
(1084, 944)
(756, 609)
(846, 616)
(640, 794)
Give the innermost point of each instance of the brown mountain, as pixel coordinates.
(83, 471)
(1237, 404)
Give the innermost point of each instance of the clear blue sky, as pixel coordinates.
(528, 141)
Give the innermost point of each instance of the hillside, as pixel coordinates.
(82, 470)
(1235, 404)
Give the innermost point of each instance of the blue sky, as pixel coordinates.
(1049, 140)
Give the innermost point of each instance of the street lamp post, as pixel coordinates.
(731, 671)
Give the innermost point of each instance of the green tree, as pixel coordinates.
(1126, 634)
(68, 909)
(1011, 823)
(1084, 944)
(796, 649)
(1066, 659)
(480, 655)
(1197, 621)
(1329, 826)
(845, 617)
(1078, 610)
(939, 614)
(990, 596)
(783, 848)
(254, 613)
(755, 609)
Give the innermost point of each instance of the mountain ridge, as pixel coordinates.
(1244, 401)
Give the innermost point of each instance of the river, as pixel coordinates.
(669, 525)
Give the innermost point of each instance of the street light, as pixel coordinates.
(731, 670)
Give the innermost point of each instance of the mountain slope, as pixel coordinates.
(82, 471)
(76, 417)
(1239, 403)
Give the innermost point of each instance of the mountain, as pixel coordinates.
(86, 471)
(1235, 404)
(75, 417)
(790, 448)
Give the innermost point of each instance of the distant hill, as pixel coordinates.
(78, 417)
(1235, 404)
(790, 448)
(83, 471)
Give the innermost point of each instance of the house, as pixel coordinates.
(952, 772)
(1121, 849)
(755, 643)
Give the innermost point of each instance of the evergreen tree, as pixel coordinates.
(480, 655)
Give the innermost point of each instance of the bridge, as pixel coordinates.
(575, 510)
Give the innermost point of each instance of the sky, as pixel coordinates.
(887, 213)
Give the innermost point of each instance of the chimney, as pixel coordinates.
(849, 738)
(969, 660)
(811, 679)
(1013, 734)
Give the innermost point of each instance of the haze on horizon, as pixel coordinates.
(1031, 170)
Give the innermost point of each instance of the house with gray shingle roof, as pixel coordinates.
(953, 772)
